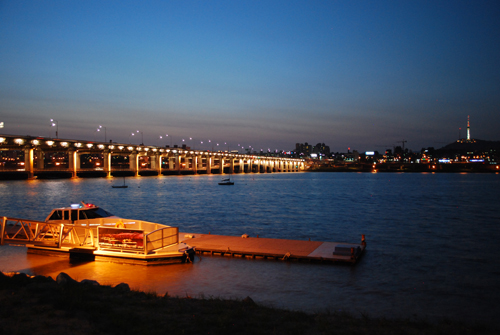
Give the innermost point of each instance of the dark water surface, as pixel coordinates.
(432, 238)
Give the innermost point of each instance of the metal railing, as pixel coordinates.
(21, 231)
(161, 238)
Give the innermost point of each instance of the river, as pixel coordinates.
(431, 238)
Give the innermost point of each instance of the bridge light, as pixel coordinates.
(121, 147)
(35, 142)
(50, 143)
(89, 145)
(100, 146)
(64, 144)
(19, 141)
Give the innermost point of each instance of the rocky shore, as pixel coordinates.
(43, 305)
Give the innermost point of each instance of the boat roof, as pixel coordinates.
(81, 205)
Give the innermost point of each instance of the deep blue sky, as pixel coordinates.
(266, 74)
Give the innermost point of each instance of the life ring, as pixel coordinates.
(119, 224)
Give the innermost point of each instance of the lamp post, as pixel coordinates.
(99, 129)
(55, 124)
(166, 135)
(142, 136)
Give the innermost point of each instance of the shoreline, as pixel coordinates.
(65, 305)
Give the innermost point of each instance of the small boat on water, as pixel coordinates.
(226, 181)
(120, 186)
(88, 229)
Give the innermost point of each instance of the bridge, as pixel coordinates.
(35, 156)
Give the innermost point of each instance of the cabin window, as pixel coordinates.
(82, 216)
(74, 215)
(66, 215)
(96, 213)
(57, 215)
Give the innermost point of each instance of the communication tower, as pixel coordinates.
(468, 129)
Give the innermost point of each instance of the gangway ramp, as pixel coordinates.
(44, 234)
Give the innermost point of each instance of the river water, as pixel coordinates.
(431, 238)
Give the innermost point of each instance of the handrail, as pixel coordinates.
(160, 238)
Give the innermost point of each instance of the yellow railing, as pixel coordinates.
(161, 238)
(14, 230)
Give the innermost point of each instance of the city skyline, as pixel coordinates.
(356, 75)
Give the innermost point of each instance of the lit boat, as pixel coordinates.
(226, 181)
(91, 227)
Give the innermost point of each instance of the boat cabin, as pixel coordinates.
(78, 212)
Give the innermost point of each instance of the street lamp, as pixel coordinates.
(142, 136)
(99, 129)
(166, 135)
(55, 124)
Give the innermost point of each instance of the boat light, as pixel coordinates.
(19, 141)
(75, 206)
(64, 144)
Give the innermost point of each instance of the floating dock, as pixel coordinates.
(272, 248)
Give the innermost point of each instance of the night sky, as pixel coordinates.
(268, 74)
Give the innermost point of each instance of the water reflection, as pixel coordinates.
(431, 238)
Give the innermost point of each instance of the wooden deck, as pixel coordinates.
(271, 248)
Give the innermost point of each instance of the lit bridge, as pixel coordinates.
(38, 156)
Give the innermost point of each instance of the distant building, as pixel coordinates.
(320, 150)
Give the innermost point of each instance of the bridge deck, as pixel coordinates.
(272, 248)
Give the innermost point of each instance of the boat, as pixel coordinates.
(88, 229)
(226, 181)
(120, 186)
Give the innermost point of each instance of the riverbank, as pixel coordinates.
(42, 305)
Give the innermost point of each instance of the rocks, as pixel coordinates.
(123, 287)
(90, 282)
(64, 279)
